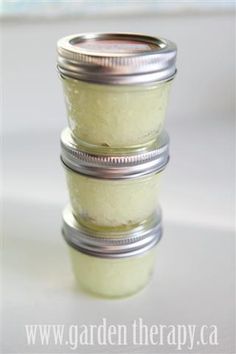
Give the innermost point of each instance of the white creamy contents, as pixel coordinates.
(112, 277)
(115, 116)
(112, 203)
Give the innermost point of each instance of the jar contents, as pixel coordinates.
(112, 203)
(112, 277)
(115, 116)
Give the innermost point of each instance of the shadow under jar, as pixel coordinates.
(113, 191)
(111, 265)
(116, 87)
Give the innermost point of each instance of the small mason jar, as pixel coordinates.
(111, 267)
(116, 87)
(113, 191)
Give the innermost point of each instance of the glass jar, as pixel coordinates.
(116, 87)
(113, 191)
(111, 267)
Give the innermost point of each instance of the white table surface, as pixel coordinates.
(194, 277)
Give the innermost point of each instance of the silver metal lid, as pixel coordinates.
(116, 58)
(122, 166)
(113, 244)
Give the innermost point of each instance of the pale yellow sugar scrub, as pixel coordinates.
(115, 116)
(116, 87)
(112, 277)
(115, 267)
(113, 203)
(108, 191)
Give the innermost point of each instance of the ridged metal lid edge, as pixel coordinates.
(154, 159)
(157, 64)
(111, 244)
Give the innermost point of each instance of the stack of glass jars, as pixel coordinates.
(116, 87)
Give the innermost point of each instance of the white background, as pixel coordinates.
(194, 278)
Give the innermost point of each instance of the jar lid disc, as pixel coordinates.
(116, 58)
